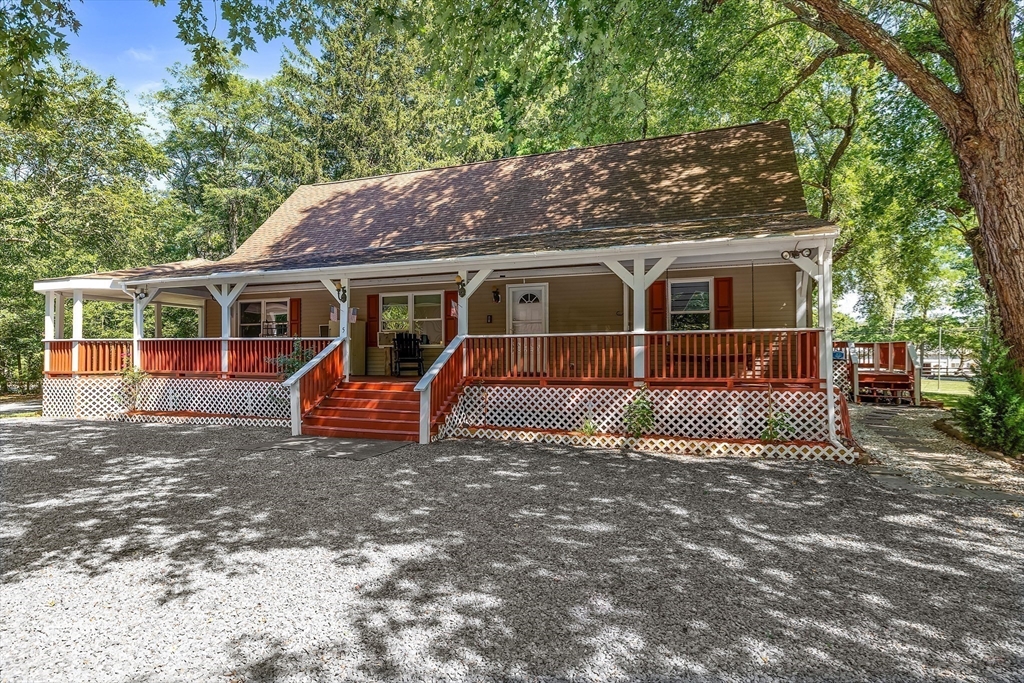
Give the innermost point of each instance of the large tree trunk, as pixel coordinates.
(989, 145)
(994, 182)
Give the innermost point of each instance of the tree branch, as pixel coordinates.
(749, 41)
(806, 73)
(950, 107)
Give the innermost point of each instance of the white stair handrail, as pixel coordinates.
(427, 381)
(294, 387)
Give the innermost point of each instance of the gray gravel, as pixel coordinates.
(137, 552)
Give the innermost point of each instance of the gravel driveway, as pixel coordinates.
(164, 553)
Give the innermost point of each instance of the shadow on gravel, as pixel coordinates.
(504, 560)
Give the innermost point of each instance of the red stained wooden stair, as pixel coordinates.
(367, 410)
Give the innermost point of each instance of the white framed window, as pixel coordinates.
(416, 312)
(690, 304)
(265, 318)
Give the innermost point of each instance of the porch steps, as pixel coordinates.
(367, 410)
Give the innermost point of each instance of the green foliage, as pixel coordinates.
(131, 383)
(993, 415)
(777, 423)
(290, 363)
(639, 416)
(588, 428)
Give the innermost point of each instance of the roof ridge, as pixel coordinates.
(554, 151)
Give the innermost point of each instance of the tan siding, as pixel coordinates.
(763, 296)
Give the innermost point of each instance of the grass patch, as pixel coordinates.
(951, 392)
(30, 413)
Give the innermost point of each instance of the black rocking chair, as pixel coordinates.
(405, 350)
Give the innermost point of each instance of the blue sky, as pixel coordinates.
(135, 42)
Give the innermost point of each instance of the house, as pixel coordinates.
(542, 291)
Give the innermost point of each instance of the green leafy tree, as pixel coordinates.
(75, 197)
(227, 152)
(365, 102)
(993, 414)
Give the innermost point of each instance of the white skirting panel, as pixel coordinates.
(704, 421)
(198, 401)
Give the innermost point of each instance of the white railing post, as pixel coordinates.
(855, 377)
(639, 317)
(915, 369)
(425, 415)
(48, 326)
(295, 398)
(77, 318)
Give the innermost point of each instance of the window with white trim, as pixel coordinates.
(689, 304)
(267, 318)
(416, 312)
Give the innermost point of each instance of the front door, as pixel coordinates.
(528, 315)
(528, 309)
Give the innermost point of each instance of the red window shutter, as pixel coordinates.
(295, 317)
(723, 303)
(372, 320)
(657, 299)
(450, 314)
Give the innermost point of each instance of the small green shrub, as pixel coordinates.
(777, 425)
(290, 363)
(131, 384)
(639, 415)
(588, 428)
(993, 416)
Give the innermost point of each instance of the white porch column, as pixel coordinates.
(639, 318)
(202, 320)
(158, 320)
(58, 316)
(825, 322)
(471, 286)
(226, 296)
(77, 313)
(48, 326)
(142, 300)
(340, 294)
(802, 286)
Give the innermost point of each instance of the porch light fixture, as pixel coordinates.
(496, 295)
(342, 294)
(461, 284)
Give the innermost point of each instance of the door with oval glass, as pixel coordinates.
(528, 315)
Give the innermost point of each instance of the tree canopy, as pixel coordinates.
(877, 114)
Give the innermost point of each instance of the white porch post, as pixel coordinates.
(58, 317)
(639, 280)
(226, 296)
(639, 318)
(158, 320)
(802, 283)
(202, 320)
(339, 291)
(825, 322)
(77, 313)
(48, 326)
(471, 286)
(142, 300)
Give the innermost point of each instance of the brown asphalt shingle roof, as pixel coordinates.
(731, 182)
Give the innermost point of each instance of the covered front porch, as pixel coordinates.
(542, 344)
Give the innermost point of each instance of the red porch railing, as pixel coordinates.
(177, 357)
(789, 356)
(881, 356)
(180, 356)
(103, 356)
(254, 357)
(60, 357)
(551, 356)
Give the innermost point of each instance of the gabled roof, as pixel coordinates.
(731, 182)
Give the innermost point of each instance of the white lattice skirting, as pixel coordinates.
(705, 421)
(262, 403)
(841, 376)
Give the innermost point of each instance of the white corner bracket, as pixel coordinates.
(801, 258)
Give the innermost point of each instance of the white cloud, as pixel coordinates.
(141, 55)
